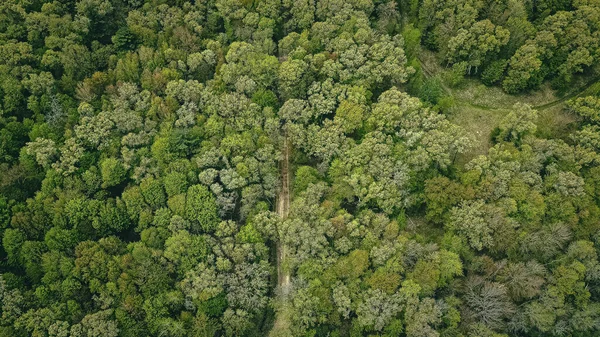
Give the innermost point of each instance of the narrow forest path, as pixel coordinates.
(282, 320)
(283, 209)
(569, 96)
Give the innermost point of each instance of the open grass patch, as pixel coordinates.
(479, 108)
(475, 93)
(479, 124)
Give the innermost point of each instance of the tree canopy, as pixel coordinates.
(166, 163)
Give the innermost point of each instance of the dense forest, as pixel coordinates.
(207, 168)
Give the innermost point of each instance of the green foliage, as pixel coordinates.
(185, 250)
(124, 39)
(12, 241)
(456, 75)
(494, 72)
(144, 175)
(354, 265)
(153, 192)
(201, 209)
(518, 123)
(304, 176)
(265, 98)
(412, 41)
(432, 90)
(441, 194)
(113, 172)
(175, 183)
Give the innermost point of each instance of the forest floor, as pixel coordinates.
(479, 108)
(282, 320)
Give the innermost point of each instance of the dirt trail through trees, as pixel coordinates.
(283, 207)
(281, 325)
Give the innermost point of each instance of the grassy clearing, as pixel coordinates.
(474, 93)
(479, 124)
(479, 108)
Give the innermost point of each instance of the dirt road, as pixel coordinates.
(282, 323)
(283, 208)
